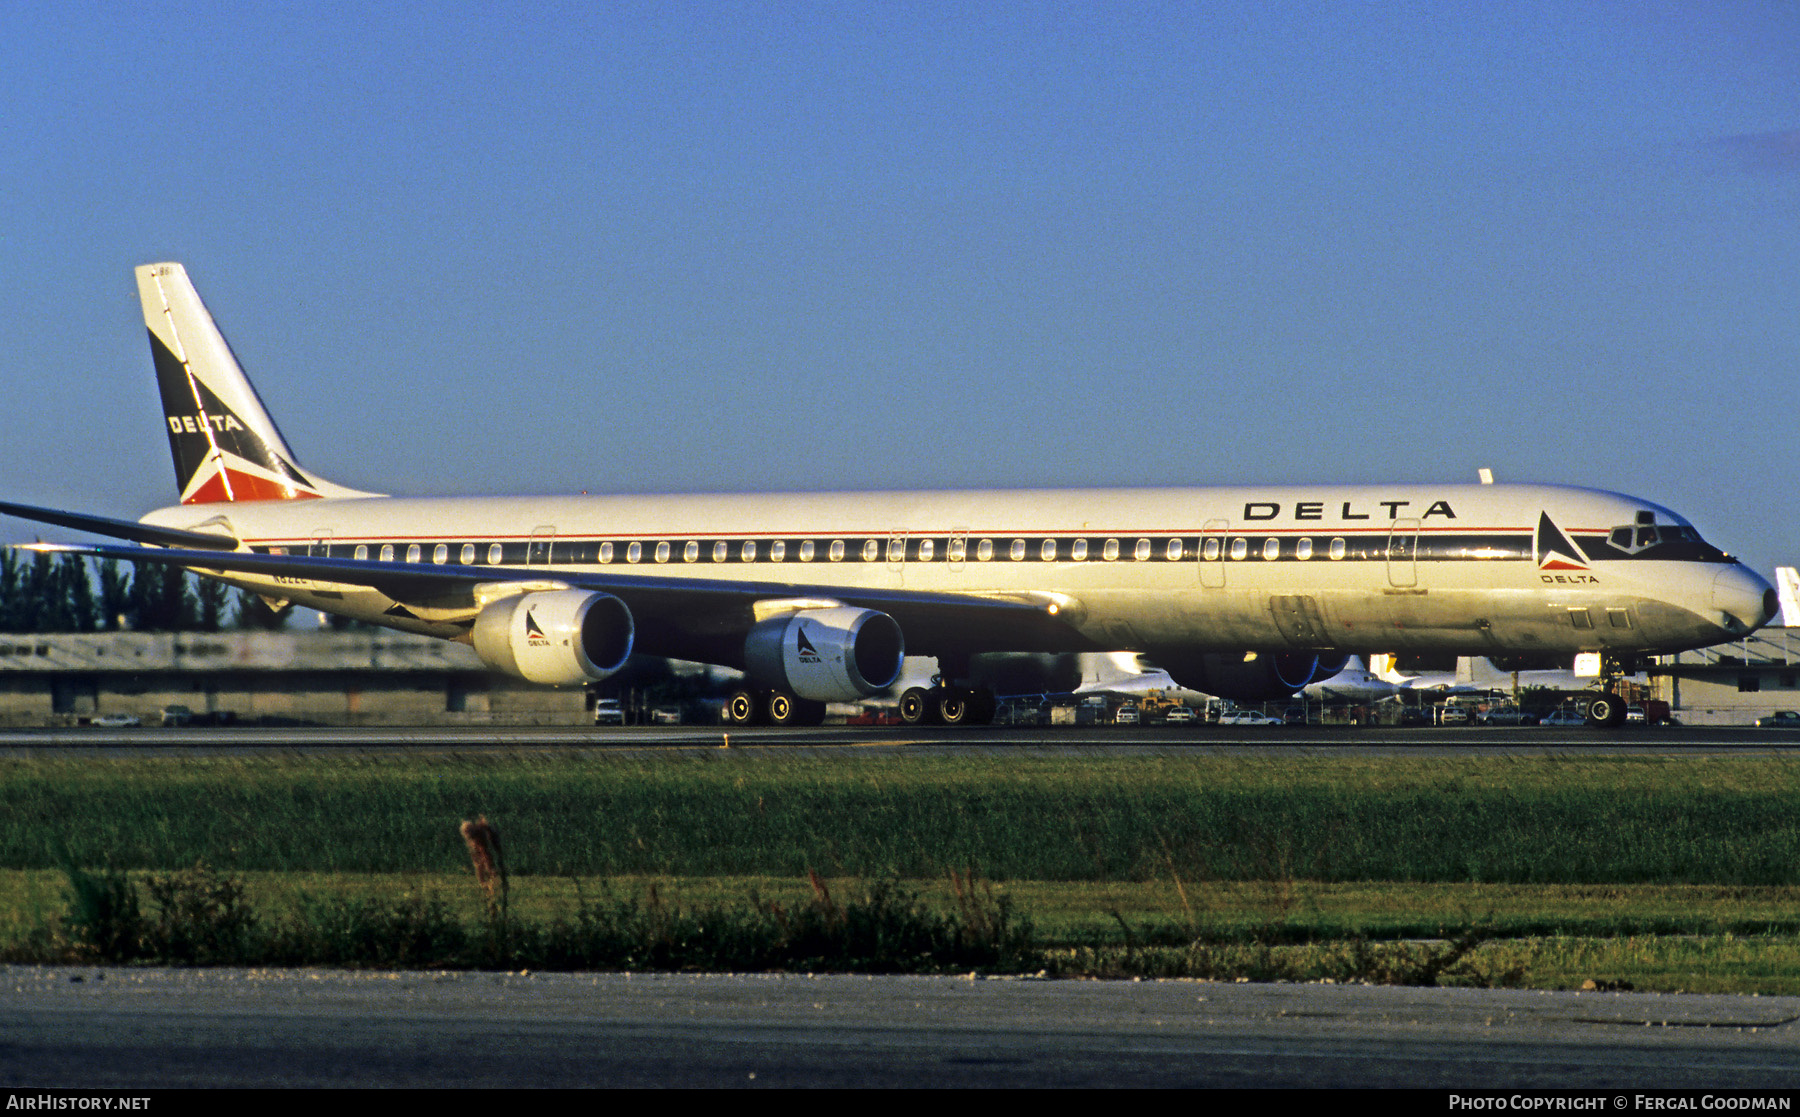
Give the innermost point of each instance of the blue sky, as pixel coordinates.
(501, 248)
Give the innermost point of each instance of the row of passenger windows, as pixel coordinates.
(894, 549)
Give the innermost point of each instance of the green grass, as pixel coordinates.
(1664, 873)
(1495, 820)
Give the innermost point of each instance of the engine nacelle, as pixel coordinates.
(827, 655)
(558, 637)
(1269, 676)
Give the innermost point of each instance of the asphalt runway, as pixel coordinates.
(1122, 740)
(146, 1028)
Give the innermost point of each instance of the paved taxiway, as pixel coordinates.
(131, 1028)
(1299, 741)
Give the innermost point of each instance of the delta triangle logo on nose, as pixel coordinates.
(1554, 549)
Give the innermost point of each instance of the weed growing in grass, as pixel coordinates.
(408, 931)
(103, 921)
(201, 919)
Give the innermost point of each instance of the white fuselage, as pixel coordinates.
(1448, 568)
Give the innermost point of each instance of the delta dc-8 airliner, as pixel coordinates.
(1245, 593)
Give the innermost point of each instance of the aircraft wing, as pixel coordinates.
(680, 617)
(118, 529)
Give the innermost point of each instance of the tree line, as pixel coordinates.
(40, 592)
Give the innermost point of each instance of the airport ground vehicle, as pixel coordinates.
(1246, 593)
(607, 711)
(1780, 719)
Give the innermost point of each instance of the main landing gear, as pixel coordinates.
(772, 707)
(947, 705)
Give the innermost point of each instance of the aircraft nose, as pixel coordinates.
(1746, 601)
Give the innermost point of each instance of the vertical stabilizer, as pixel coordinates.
(1787, 586)
(225, 445)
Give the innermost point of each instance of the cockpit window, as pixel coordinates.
(1674, 542)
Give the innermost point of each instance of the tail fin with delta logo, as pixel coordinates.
(225, 445)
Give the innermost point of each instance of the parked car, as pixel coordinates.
(608, 712)
(174, 717)
(1179, 715)
(1563, 717)
(1125, 715)
(1507, 715)
(1634, 715)
(117, 721)
(1453, 715)
(666, 715)
(1780, 719)
(1247, 717)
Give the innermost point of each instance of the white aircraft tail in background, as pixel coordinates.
(1787, 587)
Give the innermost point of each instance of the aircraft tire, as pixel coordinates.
(1606, 711)
(787, 710)
(742, 708)
(958, 707)
(915, 706)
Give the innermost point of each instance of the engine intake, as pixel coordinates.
(827, 655)
(558, 638)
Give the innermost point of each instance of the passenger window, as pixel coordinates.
(1111, 551)
(926, 550)
(871, 550)
(1271, 549)
(837, 550)
(413, 552)
(1017, 551)
(387, 552)
(806, 550)
(467, 555)
(984, 550)
(958, 551)
(494, 554)
(748, 551)
(362, 552)
(439, 553)
(1078, 551)
(606, 550)
(778, 550)
(1303, 549)
(1338, 549)
(1240, 548)
(896, 550)
(721, 551)
(662, 551)
(691, 552)
(634, 552)
(1142, 552)
(1173, 551)
(1047, 550)
(1209, 550)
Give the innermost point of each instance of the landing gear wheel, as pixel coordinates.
(955, 706)
(788, 710)
(1606, 711)
(741, 708)
(915, 706)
